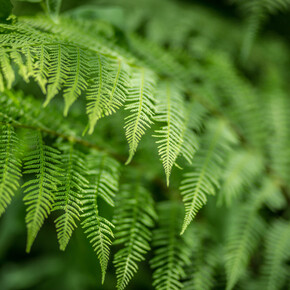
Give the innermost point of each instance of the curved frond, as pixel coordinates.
(103, 172)
(134, 217)
(175, 137)
(141, 107)
(42, 161)
(108, 91)
(206, 170)
(70, 193)
(10, 165)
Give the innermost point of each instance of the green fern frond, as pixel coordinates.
(256, 12)
(43, 162)
(108, 91)
(10, 165)
(58, 70)
(175, 137)
(7, 71)
(70, 192)
(141, 107)
(171, 253)
(245, 230)
(134, 217)
(103, 172)
(242, 169)
(206, 169)
(277, 253)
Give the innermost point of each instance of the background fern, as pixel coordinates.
(98, 100)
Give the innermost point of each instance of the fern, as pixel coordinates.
(141, 105)
(175, 138)
(10, 165)
(206, 168)
(160, 68)
(134, 215)
(109, 89)
(245, 230)
(70, 193)
(277, 253)
(42, 161)
(104, 184)
(171, 251)
(242, 170)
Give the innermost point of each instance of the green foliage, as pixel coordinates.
(134, 218)
(172, 250)
(42, 162)
(159, 78)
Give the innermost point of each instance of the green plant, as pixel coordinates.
(220, 128)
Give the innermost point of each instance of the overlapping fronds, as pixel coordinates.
(245, 230)
(109, 88)
(171, 253)
(68, 199)
(10, 165)
(42, 163)
(175, 137)
(203, 178)
(277, 254)
(134, 217)
(141, 107)
(166, 70)
(103, 174)
(58, 64)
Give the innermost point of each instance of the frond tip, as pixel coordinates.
(141, 107)
(103, 173)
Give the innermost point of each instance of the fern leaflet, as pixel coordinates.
(104, 183)
(206, 170)
(10, 165)
(69, 194)
(141, 104)
(175, 137)
(134, 215)
(43, 162)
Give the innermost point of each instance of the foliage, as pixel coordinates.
(76, 84)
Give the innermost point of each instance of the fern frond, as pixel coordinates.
(141, 107)
(42, 161)
(277, 254)
(7, 71)
(70, 192)
(57, 71)
(206, 169)
(246, 228)
(76, 81)
(171, 253)
(109, 89)
(10, 165)
(242, 169)
(256, 12)
(103, 171)
(175, 137)
(134, 217)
